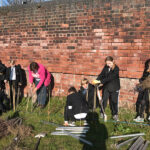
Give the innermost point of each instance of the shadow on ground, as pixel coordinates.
(97, 133)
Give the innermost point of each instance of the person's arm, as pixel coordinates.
(2, 68)
(145, 74)
(30, 76)
(42, 76)
(113, 75)
(3, 71)
(102, 74)
(7, 74)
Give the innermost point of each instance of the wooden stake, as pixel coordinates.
(14, 102)
(48, 110)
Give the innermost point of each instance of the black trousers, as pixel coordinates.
(142, 103)
(13, 86)
(68, 114)
(113, 100)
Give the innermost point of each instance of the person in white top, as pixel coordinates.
(14, 77)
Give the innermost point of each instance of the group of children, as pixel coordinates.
(39, 79)
(79, 103)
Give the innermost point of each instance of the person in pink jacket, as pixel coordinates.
(40, 76)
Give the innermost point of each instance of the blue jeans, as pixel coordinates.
(41, 93)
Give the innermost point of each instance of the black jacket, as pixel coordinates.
(78, 105)
(90, 98)
(18, 73)
(2, 72)
(144, 76)
(110, 79)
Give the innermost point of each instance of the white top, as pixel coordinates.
(80, 116)
(36, 76)
(13, 73)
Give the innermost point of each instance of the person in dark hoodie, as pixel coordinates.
(76, 108)
(87, 92)
(110, 82)
(142, 102)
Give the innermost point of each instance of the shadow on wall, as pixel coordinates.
(97, 133)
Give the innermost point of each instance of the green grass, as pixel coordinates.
(98, 134)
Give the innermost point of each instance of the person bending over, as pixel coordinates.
(76, 108)
(39, 75)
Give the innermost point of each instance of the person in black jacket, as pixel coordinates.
(110, 82)
(87, 92)
(76, 108)
(2, 75)
(14, 76)
(143, 97)
(2, 86)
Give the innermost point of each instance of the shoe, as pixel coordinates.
(105, 117)
(38, 105)
(42, 106)
(139, 119)
(101, 115)
(85, 123)
(72, 124)
(115, 117)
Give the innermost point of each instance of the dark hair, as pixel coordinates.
(147, 63)
(109, 58)
(84, 81)
(72, 89)
(34, 66)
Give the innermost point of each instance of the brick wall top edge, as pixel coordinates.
(90, 3)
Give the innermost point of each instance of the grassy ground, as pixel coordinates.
(98, 134)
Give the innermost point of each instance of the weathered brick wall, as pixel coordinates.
(72, 39)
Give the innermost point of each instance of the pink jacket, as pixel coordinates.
(45, 76)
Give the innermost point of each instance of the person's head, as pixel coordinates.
(109, 61)
(12, 63)
(84, 83)
(72, 90)
(147, 64)
(34, 66)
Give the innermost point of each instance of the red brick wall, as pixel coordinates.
(72, 39)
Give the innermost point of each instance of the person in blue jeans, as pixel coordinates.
(39, 75)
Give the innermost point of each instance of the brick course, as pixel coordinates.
(72, 39)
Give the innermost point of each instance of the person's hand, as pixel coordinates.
(94, 82)
(101, 85)
(19, 83)
(35, 89)
(5, 81)
(30, 85)
(66, 123)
